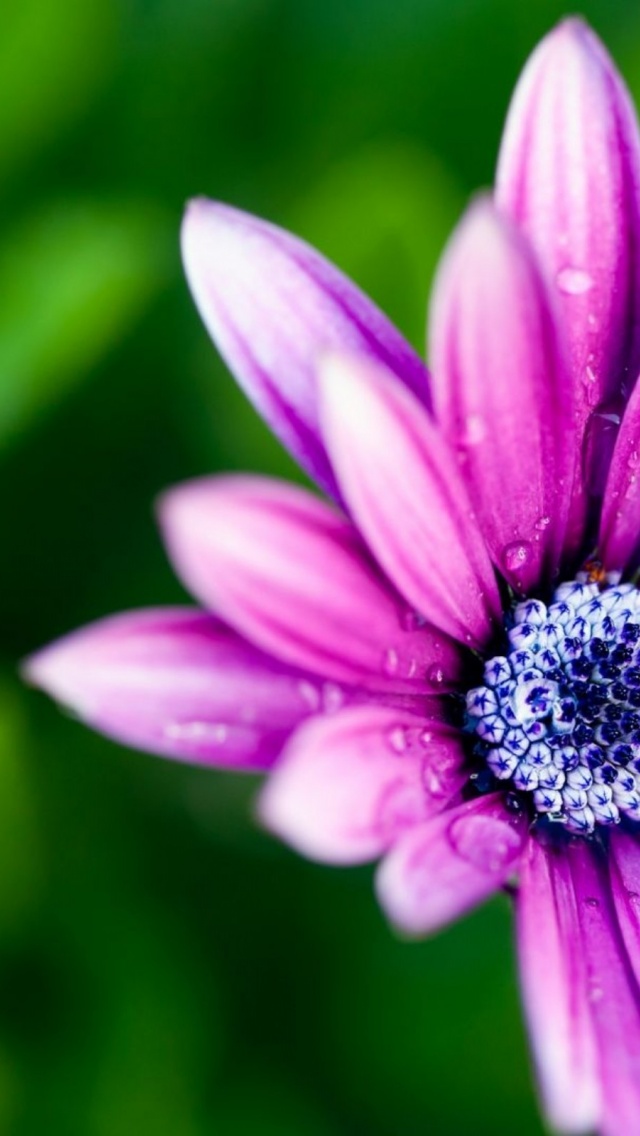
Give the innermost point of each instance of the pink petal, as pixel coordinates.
(403, 487)
(619, 542)
(625, 886)
(612, 990)
(501, 396)
(554, 987)
(271, 304)
(346, 788)
(293, 576)
(178, 683)
(440, 869)
(568, 174)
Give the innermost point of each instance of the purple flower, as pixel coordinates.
(430, 670)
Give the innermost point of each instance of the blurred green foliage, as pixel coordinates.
(165, 968)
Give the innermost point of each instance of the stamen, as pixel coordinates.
(559, 714)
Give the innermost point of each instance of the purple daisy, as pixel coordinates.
(431, 670)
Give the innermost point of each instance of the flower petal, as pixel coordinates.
(568, 174)
(555, 990)
(612, 990)
(498, 389)
(178, 683)
(345, 788)
(403, 487)
(292, 575)
(271, 304)
(625, 886)
(440, 869)
(619, 541)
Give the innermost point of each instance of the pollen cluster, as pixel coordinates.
(559, 714)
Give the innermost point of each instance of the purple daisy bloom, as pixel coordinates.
(430, 669)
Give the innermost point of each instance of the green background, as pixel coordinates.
(166, 969)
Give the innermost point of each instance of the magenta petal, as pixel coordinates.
(403, 487)
(554, 986)
(568, 174)
(292, 575)
(271, 304)
(612, 990)
(178, 683)
(345, 788)
(625, 885)
(619, 542)
(444, 867)
(500, 394)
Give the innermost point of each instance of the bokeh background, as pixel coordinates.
(166, 969)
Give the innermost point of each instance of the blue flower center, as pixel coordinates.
(558, 718)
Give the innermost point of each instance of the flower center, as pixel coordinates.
(559, 716)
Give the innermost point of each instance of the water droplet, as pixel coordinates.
(472, 430)
(591, 901)
(435, 675)
(426, 737)
(484, 841)
(397, 738)
(590, 384)
(634, 898)
(516, 555)
(574, 281)
(633, 460)
(543, 523)
(212, 732)
(592, 320)
(390, 662)
(332, 697)
(433, 781)
(309, 694)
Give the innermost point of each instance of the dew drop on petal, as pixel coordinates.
(516, 555)
(397, 738)
(485, 842)
(591, 901)
(440, 777)
(433, 782)
(390, 662)
(435, 675)
(574, 281)
(590, 383)
(473, 430)
(215, 733)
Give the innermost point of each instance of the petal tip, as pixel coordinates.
(55, 671)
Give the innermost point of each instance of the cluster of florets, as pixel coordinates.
(559, 716)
